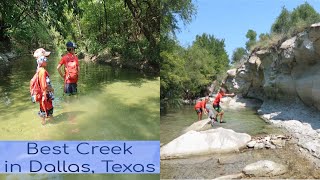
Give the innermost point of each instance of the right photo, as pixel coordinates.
(240, 89)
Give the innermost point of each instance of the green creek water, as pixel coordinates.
(112, 104)
(173, 123)
(244, 121)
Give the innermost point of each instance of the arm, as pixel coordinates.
(43, 85)
(78, 66)
(229, 95)
(204, 110)
(62, 61)
(59, 70)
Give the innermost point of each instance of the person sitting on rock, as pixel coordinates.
(216, 103)
(211, 115)
(200, 107)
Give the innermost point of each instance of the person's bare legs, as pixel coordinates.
(50, 118)
(221, 116)
(199, 116)
(43, 120)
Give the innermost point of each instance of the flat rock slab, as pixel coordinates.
(265, 168)
(197, 125)
(218, 140)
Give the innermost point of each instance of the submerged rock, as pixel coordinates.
(218, 140)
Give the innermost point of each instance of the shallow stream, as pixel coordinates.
(112, 104)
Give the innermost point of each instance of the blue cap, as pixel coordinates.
(71, 45)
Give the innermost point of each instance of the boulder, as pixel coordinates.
(265, 168)
(251, 144)
(259, 146)
(218, 140)
(278, 143)
(232, 72)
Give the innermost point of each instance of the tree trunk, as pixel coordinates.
(105, 17)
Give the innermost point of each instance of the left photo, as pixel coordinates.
(79, 70)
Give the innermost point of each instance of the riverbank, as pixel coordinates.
(300, 120)
(106, 57)
(217, 165)
(5, 57)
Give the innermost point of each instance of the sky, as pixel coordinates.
(231, 19)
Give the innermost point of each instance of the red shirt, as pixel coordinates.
(218, 98)
(43, 79)
(43, 74)
(64, 61)
(200, 104)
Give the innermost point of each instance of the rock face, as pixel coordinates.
(218, 140)
(286, 72)
(264, 168)
(286, 78)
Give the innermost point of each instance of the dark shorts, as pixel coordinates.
(71, 88)
(42, 113)
(217, 107)
(198, 110)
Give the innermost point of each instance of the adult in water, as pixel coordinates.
(216, 103)
(71, 69)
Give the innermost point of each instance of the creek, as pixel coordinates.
(112, 104)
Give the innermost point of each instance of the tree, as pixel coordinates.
(172, 75)
(264, 36)
(292, 22)
(305, 12)
(238, 54)
(251, 35)
(216, 49)
(172, 11)
(205, 61)
(282, 23)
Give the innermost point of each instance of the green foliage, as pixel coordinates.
(264, 36)
(288, 24)
(130, 29)
(172, 11)
(251, 35)
(305, 13)
(172, 74)
(295, 21)
(282, 23)
(186, 72)
(238, 54)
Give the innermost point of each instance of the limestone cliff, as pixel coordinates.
(287, 71)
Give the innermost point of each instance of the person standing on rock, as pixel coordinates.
(71, 69)
(200, 107)
(216, 103)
